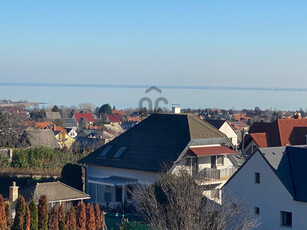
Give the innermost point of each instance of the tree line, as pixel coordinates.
(37, 217)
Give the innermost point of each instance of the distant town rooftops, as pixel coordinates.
(87, 116)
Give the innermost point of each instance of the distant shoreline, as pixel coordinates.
(81, 85)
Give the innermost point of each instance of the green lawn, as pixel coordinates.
(114, 222)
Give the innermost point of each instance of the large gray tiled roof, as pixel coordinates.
(69, 123)
(54, 191)
(38, 138)
(156, 141)
(53, 116)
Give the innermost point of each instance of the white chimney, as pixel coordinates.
(176, 109)
(13, 192)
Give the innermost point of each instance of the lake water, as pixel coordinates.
(187, 98)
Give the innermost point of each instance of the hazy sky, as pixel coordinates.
(229, 43)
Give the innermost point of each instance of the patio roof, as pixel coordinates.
(113, 181)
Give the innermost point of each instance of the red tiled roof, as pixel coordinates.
(260, 139)
(49, 125)
(43, 125)
(114, 118)
(119, 112)
(134, 119)
(282, 132)
(87, 116)
(292, 131)
(28, 123)
(210, 151)
(240, 117)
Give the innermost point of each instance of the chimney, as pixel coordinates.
(13, 192)
(176, 109)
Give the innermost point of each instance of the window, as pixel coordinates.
(105, 150)
(286, 219)
(257, 178)
(119, 152)
(257, 210)
(220, 160)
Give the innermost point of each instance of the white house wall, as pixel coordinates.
(270, 195)
(143, 177)
(97, 192)
(230, 133)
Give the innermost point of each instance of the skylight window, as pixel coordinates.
(105, 150)
(119, 152)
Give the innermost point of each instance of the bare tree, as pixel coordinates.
(177, 202)
(87, 105)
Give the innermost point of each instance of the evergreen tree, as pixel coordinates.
(20, 213)
(71, 223)
(3, 221)
(53, 222)
(27, 219)
(33, 215)
(8, 212)
(90, 217)
(102, 219)
(81, 216)
(98, 218)
(43, 213)
(105, 109)
(55, 109)
(61, 218)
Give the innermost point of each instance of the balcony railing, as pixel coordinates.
(216, 174)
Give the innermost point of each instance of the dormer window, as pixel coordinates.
(106, 150)
(119, 152)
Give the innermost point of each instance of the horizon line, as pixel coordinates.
(146, 86)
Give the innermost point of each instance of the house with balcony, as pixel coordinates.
(173, 141)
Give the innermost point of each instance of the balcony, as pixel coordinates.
(211, 174)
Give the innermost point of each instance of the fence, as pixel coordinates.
(216, 174)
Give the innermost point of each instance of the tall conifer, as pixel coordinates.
(53, 222)
(20, 209)
(33, 215)
(81, 216)
(43, 213)
(27, 219)
(90, 217)
(3, 221)
(62, 225)
(71, 223)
